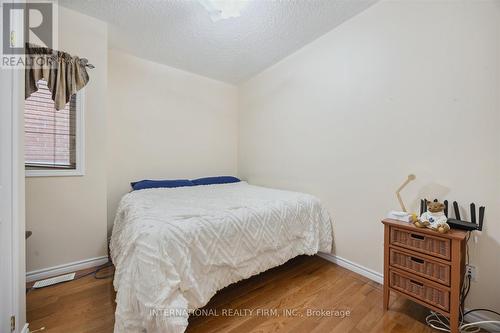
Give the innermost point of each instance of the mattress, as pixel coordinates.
(174, 248)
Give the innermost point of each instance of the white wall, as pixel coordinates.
(404, 87)
(164, 123)
(68, 214)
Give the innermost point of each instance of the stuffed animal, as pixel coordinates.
(434, 218)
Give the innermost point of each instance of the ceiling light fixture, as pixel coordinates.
(223, 9)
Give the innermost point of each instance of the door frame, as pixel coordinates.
(6, 201)
(12, 200)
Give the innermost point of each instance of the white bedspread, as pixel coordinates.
(175, 248)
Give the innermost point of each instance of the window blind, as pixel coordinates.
(50, 135)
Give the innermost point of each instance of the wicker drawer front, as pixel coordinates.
(435, 246)
(423, 267)
(438, 297)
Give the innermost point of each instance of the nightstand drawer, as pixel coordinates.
(420, 289)
(417, 265)
(430, 245)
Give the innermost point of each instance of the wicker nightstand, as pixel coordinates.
(425, 266)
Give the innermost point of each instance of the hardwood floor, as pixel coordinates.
(87, 304)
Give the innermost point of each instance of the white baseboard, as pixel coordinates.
(65, 268)
(25, 329)
(379, 278)
(352, 266)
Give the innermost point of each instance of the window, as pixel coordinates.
(53, 138)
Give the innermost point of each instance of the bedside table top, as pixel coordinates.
(452, 234)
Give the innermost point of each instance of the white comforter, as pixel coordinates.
(175, 248)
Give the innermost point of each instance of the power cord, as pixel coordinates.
(487, 310)
(94, 272)
(442, 323)
(106, 265)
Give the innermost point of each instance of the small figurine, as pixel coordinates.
(434, 218)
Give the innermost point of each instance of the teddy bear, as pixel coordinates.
(434, 218)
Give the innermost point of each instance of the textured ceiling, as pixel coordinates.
(180, 33)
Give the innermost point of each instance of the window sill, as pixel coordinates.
(54, 173)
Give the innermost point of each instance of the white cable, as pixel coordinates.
(434, 321)
(477, 323)
(440, 323)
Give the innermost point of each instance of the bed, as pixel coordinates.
(174, 248)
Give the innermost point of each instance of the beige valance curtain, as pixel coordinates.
(64, 74)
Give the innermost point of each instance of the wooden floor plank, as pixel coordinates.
(87, 304)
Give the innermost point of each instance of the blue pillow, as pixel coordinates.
(143, 184)
(215, 180)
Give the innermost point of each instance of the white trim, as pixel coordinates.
(352, 266)
(80, 132)
(80, 146)
(12, 225)
(65, 268)
(7, 222)
(18, 199)
(25, 328)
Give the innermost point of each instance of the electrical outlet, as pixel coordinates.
(471, 271)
